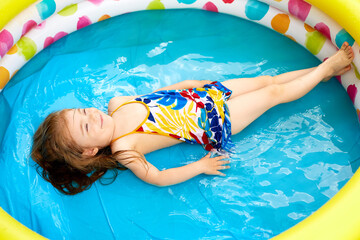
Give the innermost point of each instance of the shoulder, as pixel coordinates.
(121, 146)
(117, 101)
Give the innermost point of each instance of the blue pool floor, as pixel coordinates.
(288, 163)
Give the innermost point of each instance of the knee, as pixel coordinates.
(275, 92)
(268, 80)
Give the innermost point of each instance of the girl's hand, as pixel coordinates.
(211, 166)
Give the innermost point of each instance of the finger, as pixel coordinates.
(220, 173)
(220, 157)
(222, 162)
(222, 167)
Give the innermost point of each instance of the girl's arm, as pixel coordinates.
(186, 85)
(150, 174)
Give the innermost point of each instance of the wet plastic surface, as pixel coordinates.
(289, 162)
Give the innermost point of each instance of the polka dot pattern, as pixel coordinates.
(96, 2)
(324, 29)
(209, 6)
(352, 91)
(4, 76)
(356, 70)
(50, 40)
(13, 50)
(228, 1)
(308, 28)
(155, 5)
(27, 47)
(281, 23)
(69, 10)
(314, 42)
(6, 41)
(83, 22)
(28, 26)
(186, 1)
(255, 10)
(342, 37)
(104, 17)
(46, 8)
(299, 9)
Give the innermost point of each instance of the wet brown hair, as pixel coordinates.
(61, 162)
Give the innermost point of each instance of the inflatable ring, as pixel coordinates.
(27, 34)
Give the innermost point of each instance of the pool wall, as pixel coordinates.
(46, 21)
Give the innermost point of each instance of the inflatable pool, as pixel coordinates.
(46, 21)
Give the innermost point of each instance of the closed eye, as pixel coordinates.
(84, 111)
(87, 128)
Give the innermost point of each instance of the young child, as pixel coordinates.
(75, 147)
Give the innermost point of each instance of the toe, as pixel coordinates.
(344, 46)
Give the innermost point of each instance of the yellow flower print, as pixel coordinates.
(178, 122)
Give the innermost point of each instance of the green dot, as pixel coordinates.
(314, 42)
(155, 5)
(357, 74)
(69, 10)
(27, 47)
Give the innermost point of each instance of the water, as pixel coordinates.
(288, 163)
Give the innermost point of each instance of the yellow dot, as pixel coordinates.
(4, 77)
(13, 50)
(280, 23)
(104, 17)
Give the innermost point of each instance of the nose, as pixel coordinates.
(92, 115)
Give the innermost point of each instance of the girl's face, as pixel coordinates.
(90, 128)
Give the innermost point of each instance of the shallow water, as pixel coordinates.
(288, 163)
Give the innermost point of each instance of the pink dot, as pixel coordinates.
(209, 6)
(339, 78)
(352, 91)
(48, 41)
(83, 22)
(6, 42)
(96, 2)
(41, 25)
(51, 40)
(59, 35)
(228, 1)
(324, 29)
(299, 9)
(28, 26)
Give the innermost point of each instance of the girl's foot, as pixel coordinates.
(339, 63)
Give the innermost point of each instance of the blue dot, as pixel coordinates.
(46, 8)
(186, 1)
(255, 10)
(343, 36)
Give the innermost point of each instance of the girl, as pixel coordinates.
(75, 147)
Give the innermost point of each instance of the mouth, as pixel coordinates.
(101, 121)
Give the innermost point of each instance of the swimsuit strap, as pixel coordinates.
(132, 101)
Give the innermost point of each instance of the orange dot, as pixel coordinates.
(4, 77)
(308, 28)
(13, 50)
(278, 0)
(14, 73)
(280, 23)
(292, 38)
(104, 17)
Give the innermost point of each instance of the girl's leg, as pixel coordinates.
(244, 85)
(245, 108)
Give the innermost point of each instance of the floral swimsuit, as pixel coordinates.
(196, 115)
